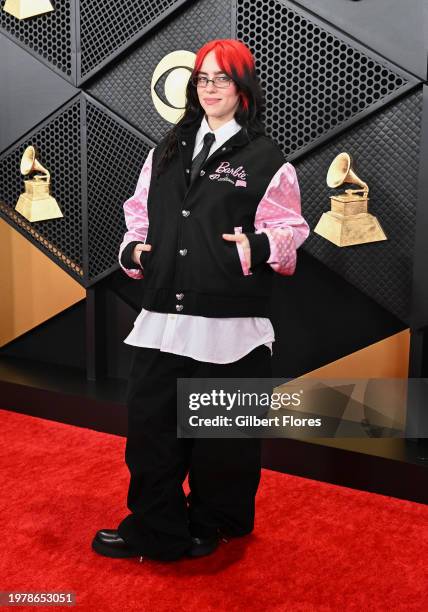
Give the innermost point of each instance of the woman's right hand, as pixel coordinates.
(137, 252)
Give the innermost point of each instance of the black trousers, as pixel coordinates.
(224, 474)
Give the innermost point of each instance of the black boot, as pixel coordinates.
(203, 546)
(108, 542)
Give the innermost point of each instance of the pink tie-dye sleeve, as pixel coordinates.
(136, 219)
(279, 216)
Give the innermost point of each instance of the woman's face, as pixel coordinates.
(218, 103)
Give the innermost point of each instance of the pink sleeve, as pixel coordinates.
(279, 216)
(136, 218)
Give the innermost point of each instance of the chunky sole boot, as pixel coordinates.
(108, 542)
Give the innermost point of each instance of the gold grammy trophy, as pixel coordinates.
(36, 204)
(348, 222)
(22, 9)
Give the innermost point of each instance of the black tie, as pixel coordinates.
(198, 162)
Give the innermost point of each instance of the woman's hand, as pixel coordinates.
(137, 252)
(245, 244)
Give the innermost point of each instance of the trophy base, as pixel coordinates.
(38, 209)
(22, 9)
(349, 230)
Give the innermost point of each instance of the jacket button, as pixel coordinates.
(185, 213)
(187, 170)
(202, 172)
(224, 149)
(179, 307)
(183, 142)
(183, 251)
(179, 296)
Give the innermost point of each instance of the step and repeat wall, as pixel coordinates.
(87, 85)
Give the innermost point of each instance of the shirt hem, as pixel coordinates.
(259, 343)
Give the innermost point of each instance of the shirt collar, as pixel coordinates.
(223, 133)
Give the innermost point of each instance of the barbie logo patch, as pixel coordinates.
(226, 168)
(225, 172)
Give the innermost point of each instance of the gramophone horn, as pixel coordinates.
(341, 171)
(29, 163)
(36, 203)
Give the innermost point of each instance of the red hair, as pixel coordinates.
(232, 55)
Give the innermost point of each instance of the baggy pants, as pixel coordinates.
(224, 473)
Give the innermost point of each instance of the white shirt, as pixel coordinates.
(216, 340)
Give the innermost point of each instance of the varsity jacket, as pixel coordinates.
(244, 186)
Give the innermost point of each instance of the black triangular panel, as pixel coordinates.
(125, 88)
(107, 29)
(385, 148)
(91, 175)
(319, 317)
(316, 80)
(58, 139)
(51, 36)
(115, 155)
(78, 37)
(397, 30)
(29, 92)
(60, 340)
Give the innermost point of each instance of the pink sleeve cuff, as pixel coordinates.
(279, 216)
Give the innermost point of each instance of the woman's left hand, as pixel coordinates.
(245, 244)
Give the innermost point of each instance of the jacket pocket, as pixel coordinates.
(240, 251)
(144, 259)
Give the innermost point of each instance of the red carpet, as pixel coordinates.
(316, 546)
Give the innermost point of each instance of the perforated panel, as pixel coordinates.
(393, 29)
(386, 153)
(106, 25)
(126, 87)
(115, 159)
(48, 35)
(313, 80)
(58, 142)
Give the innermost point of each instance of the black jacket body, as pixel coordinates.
(189, 256)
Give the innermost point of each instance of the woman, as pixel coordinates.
(215, 213)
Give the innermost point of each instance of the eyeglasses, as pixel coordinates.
(219, 81)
